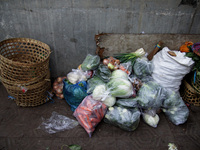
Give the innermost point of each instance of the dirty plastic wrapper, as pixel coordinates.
(57, 123)
(89, 113)
(126, 119)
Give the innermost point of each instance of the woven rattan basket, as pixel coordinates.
(189, 94)
(23, 60)
(196, 84)
(35, 94)
(24, 64)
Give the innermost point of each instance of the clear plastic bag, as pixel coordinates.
(150, 117)
(57, 123)
(128, 102)
(92, 83)
(137, 83)
(89, 113)
(76, 76)
(103, 73)
(151, 95)
(142, 68)
(175, 108)
(126, 67)
(74, 93)
(91, 62)
(126, 119)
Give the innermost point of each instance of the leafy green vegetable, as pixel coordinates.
(120, 87)
(91, 62)
(92, 83)
(196, 59)
(151, 120)
(103, 73)
(142, 68)
(175, 108)
(127, 119)
(151, 95)
(119, 74)
(125, 57)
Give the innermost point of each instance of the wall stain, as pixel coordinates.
(74, 40)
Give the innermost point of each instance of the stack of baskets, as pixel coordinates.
(24, 70)
(190, 91)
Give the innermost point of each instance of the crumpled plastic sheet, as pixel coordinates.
(57, 123)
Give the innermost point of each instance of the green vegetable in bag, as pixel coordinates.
(91, 62)
(175, 108)
(103, 73)
(120, 87)
(151, 120)
(151, 95)
(92, 83)
(127, 119)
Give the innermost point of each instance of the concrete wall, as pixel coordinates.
(69, 26)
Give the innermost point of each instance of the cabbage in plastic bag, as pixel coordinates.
(92, 83)
(175, 108)
(120, 87)
(91, 62)
(151, 118)
(142, 68)
(74, 93)
(151, 95)
(127, 103)
(103, 73)
(127, 119)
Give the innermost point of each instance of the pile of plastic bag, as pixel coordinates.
(97, 92)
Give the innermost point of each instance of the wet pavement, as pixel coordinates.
(19, 131)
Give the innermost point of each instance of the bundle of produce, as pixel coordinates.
(194, 53)
(151, 118)
(101, 93)
(127, 119)
(92, 83)
(119, 74)
(112, 63)
(175, 108)
(120, 87)
(77, 75)
(103, 72)
(58, 87)
(126, 57)
(142, 68)
(74, 93)
(91, 62)
(127, 102)
(151, 96)
(89, 113)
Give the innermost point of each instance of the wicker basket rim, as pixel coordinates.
(190, 87)
(25, 40)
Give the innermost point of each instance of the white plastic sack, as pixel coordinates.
(168, 70)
